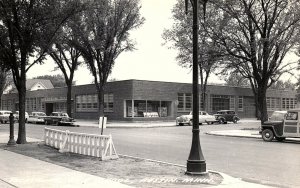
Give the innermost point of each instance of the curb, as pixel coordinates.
(227, 180)
(238, 136)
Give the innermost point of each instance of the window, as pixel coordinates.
(231, 103)
(273, 103)
(4, 105)
(288, 103)
(87, 103)
(222, 102)
(108, 102)
(241, 104)
(184, 102)
(292, 116)
(149, 109)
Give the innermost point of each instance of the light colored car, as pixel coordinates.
(4, 116)
(36, 117)
(16, 115)
(204, 117)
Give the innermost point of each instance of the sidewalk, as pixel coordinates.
(22, 171)
(242, 134)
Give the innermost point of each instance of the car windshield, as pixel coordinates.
(277, 115)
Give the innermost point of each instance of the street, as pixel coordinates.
(269, 163)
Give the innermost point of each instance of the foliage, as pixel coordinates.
(257, 35)
(57, 80)
(237, 80)
(180, 37)
(26, 30)
(104, 34)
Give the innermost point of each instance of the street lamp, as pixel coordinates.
(196, 164)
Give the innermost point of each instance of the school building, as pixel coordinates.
(141, 100)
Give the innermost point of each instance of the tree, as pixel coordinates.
(5, 76)
(284, 85)
(27, 29)
(103, 35)
(237, 80)
(257, 35)
(180, 38)
(66, 56)
(57, 80)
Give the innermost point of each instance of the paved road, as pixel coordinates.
(253, 160)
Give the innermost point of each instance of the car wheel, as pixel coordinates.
(280, 139)
(235, 120)
(267, 135)
(221, 121)
(191, 123)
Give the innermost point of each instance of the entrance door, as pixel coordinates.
(291, 124)
(49, 108)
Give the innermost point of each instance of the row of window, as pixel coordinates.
(89, 103)
(284, 103)
(84, 103)
(219, 102)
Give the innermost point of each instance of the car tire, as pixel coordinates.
(235, 120)
(191, 123)
(280, 139)
(267, 135)
(221, 121)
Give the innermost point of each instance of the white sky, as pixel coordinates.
(150, 61)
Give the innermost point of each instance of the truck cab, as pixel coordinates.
(289, 127)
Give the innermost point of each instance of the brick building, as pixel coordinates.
(139, 100)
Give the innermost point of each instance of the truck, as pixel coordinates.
(58, 118)
(288, 127)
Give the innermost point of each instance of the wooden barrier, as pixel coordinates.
(86, 144)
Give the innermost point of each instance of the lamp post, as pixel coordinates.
(196, 164)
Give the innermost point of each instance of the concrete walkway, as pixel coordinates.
(22, 171)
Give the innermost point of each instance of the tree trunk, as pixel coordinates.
(100, 100)
(262, 103)
(69, 99)
(22, 99)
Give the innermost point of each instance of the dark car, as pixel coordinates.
(224, 116)
(58, 118)
(286, 128)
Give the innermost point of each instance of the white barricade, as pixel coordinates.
(86, 144)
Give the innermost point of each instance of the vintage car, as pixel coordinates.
(204, 117)
(36, 117)
(58, 118)
(224, 116)
(16, 116)
(288, 127)
(4, 116)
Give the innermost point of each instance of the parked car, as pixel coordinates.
(36, 117)
(204, 117)
(280, 130)
(4, 116)
(16, 115)
(224, 116)
(58, 118)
